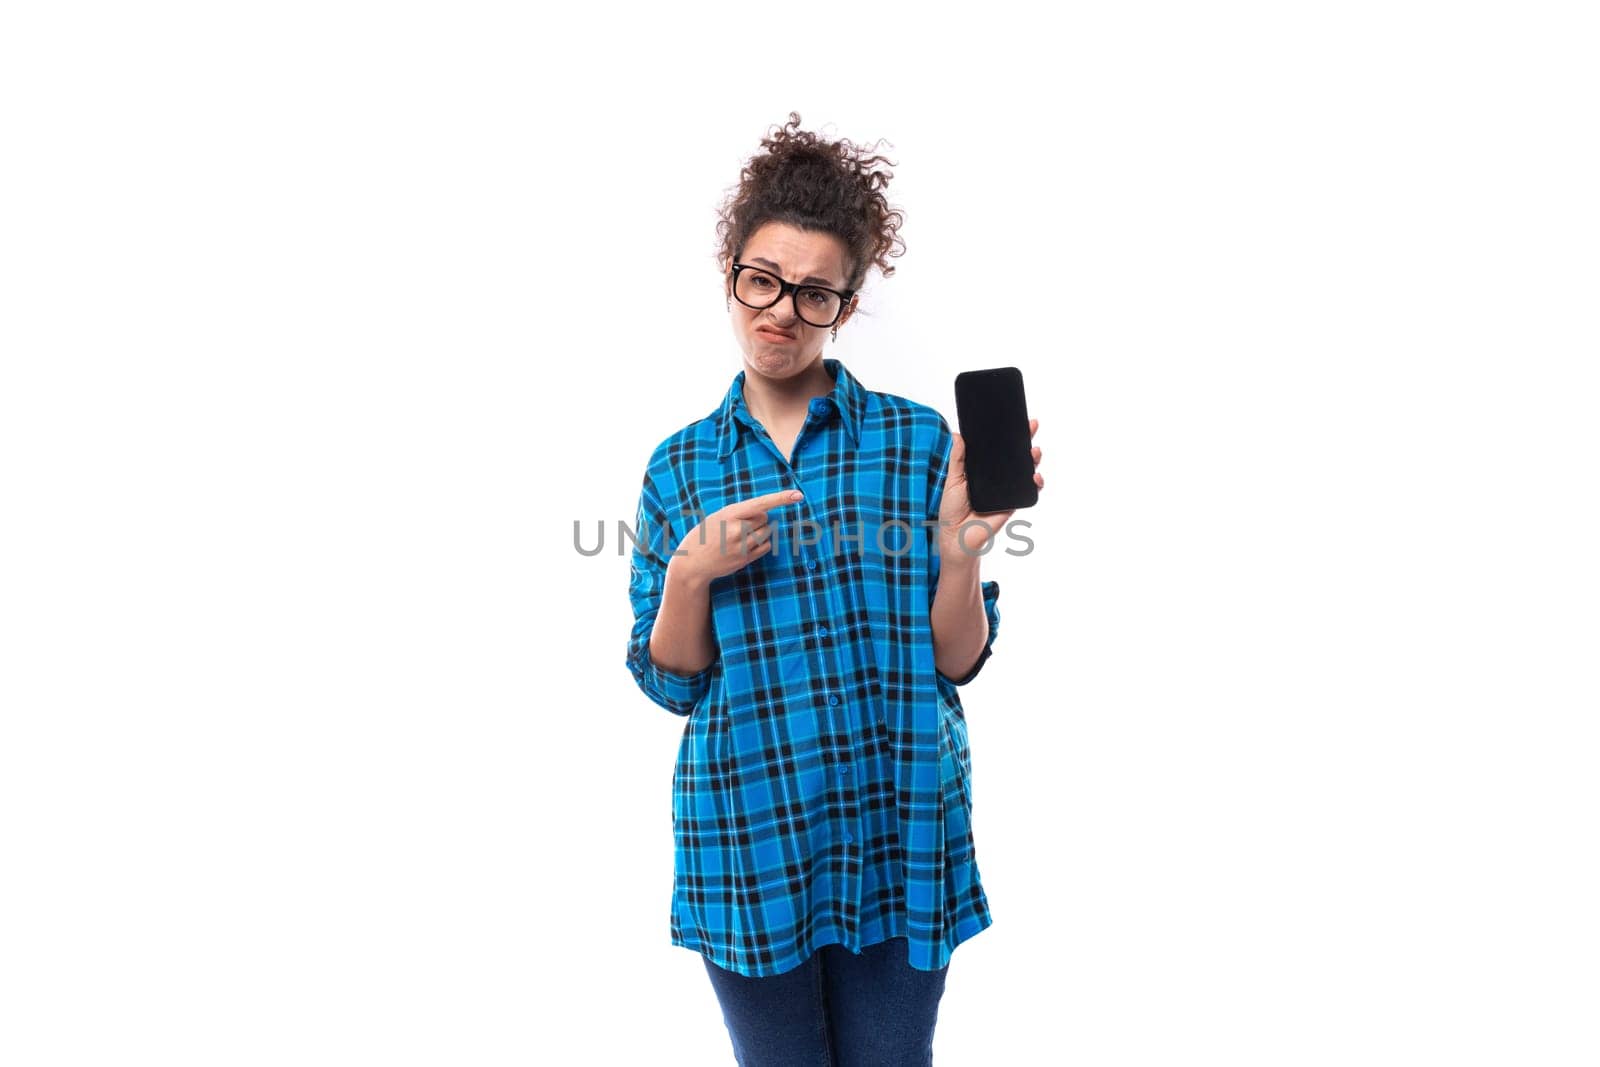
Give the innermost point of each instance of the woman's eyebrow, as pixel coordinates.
(779, 271)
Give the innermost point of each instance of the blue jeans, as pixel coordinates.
(836, 1009)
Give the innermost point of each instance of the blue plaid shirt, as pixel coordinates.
(823, 786)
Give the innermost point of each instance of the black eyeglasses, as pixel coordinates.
(816, 305)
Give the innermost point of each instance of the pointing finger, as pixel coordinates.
(760, 505)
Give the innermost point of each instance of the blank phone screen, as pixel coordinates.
(993, 414)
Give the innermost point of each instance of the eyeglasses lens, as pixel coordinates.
(758, 289)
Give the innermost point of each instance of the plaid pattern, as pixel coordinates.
(823, 786)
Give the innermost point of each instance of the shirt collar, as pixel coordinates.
(848, 395)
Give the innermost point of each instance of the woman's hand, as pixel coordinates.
(955, 511)
(729, 538)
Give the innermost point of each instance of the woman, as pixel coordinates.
(806, 593)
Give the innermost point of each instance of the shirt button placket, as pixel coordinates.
(844, 766)
(850, 811)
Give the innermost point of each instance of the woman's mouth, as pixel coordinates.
(773, 335)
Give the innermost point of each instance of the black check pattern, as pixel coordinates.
(822, 792)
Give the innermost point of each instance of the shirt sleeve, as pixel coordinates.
(991, 610)
(647, 577)
(938, 471)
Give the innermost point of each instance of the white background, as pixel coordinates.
(318, 744)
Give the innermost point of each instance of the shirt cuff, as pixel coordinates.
(991, 611)
(677, 690)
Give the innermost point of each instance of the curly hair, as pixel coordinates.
(817, 185)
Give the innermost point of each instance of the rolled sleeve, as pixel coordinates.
(678, 693)
(647, 578)
(938, 470)
(991, 609)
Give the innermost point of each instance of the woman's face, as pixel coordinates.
(794, 255)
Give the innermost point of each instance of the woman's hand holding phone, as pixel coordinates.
(955, 510)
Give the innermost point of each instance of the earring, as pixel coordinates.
(730, 303)
(836, 333)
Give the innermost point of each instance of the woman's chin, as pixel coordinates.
(774, 362)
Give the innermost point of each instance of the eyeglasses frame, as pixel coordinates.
(792, 291)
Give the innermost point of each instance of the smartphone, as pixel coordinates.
(993, 415)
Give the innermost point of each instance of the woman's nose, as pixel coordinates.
(781, 315)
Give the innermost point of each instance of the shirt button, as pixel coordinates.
(821, 629)
(811, 564)
(833, 700)
(848, 838)
(844, 768)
